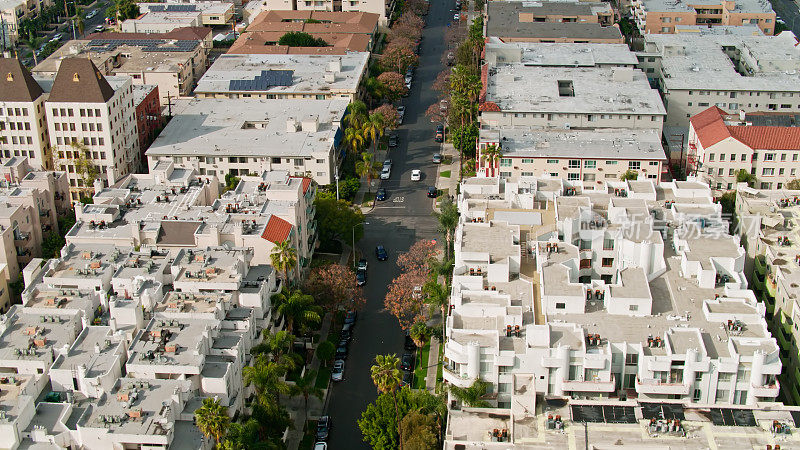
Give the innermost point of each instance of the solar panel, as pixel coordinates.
(146, 45)
(267, 79)
(605, 413)
(157, 8)
(181, 8)
(668, 411)
(733, 417)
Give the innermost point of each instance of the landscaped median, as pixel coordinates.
(421, 367)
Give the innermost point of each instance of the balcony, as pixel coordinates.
(770, 391)
(589, 385)
(770, 285)
(653, 386)
(21, 236)
(457, 379)
(760, 265)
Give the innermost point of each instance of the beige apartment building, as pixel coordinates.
(728, 68)
(173, 65)
(590, 156)
(13, 12)
(766, 145)
(663, 16)
(382, 8)
(573, 22)
(92, 125)
(23, 131)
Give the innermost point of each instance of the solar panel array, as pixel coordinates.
(173, 8)
(733, 417)
(668, 411)
(603, 414)
(266, 80)
(146, 45)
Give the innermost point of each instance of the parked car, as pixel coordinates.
(393, 140)
(337, 374)
(350, 318)
(381, 253)
(409, 344)
(323, 428)
(361, 277)
(437, 158)
(410, 71)
(432, 192)
(99, 28)
(408, 86)
(407, 362)
(343, 343)
(439, 137)
(321, 446)
(387, 162)
(57, 37)
(408, 379)
(456, 17)
(362, 264)
(380, 195)
(416, 175)
(347, 330)
(341, 353)
(401, 110)
(386, 173)
(91, 14)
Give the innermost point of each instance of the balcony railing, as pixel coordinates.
(653, 386)
(770, 390)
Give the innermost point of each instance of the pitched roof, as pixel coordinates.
(79, 81)
(306, 183)
(277, 230)
(16, 82)
(711, 128)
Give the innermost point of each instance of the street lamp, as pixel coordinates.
(354, 241)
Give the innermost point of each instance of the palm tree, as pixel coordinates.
(471, 396)
(33, 42)
(437, 296)
(466, 83)
(79, 24)
(298, 308)
(368, 168)
(353, 139)
(307, 386)
(419, 332)
(267, 378)
(284, 258)
(278, 346)
(373, 128)
(448, 221)
(491, 154)
(356, 114)
(386, 377)
(212, 419)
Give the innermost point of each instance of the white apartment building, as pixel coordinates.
(727, 67)
(276, 76)
(165, 17)
(23, 128)
(592, 156)
(766, 145)
(566, 86)
(632, 291)
(246, 136)
(383, 8)
(13, 12)
(85, 109)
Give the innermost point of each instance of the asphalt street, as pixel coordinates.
(788, 11)
(404, 218)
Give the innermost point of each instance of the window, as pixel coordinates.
(653, 163)
(608, 244)
(574, 164)
(780, 171)
(634, 165)
(632, 359)
(611, 163)
(722, 156)
(589, 164)
(505, 174)
(633, 308)
(744, 157)
(505, 162)
(298, 161)
(573, 176)
(722, 396)
(783, 156)
(769, 157)
(767, 171)
(724, 377)
(666, 19)
(276, 160)
(561, 306)
(528, 160)
(608, 262)
(719, 171)
(551, 161)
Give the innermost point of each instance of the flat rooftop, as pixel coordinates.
(558, 54)
(96, 349)
(251, 127)
(26, 335)
(739, 6)
(170, 342)
(299, 74)
(514, 19)
(496, 240)
(596, 90)
(600, 143)
(698, 61)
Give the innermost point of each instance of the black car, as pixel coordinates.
(393, 140)
(380, 195)
(381, 253)
(407, 362)
(408, 379)
(341, 353)
(350, 318)
(347, 331)
(361, 277)
(323, 428)
(409, 344)
(343, 343)
(432, 192)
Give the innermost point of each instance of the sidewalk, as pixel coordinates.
(448, 184)
(433, 365)
(380, 156)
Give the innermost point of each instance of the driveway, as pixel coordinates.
(404, 218)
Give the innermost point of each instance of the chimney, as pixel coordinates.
(291, 125)
(310, 124)
(335, 65)
(330, 77)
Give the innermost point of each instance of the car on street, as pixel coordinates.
(387, 162)
(416, 175)
(409, 344)
(408, 379)
(401, 110)
(99, 28)
(380, 195)
(408, 86)
(57, 37)
(343, 343)
(350, 318)
(410, 71)
(407, 362)
(341, 353)
(456, 17)
(91, 14)
(443, 104)
(393, 140)
(386, 173)
(323, 428)
(361, 277)
(362, 264)
(432, 192)
(321, 446)
(381, 254)
(437, 158)
(337, 374)
(439, 137)
(346, 333)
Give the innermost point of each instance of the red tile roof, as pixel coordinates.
(277, 230)
(710, 128)
(489, 106)
(306, 184)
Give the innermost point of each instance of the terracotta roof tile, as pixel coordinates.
(710, 128)
(489, 106)
(277, 230)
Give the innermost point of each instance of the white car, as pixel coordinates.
(416, 175)
(337, 374)
(401, 113)
(408, 85)
(99, 28)
(321, 446)
(456, 17)
(91, 14)
(386, 173)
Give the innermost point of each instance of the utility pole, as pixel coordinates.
(169, 105)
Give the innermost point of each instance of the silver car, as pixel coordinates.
(337, 374)
(386, 172)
